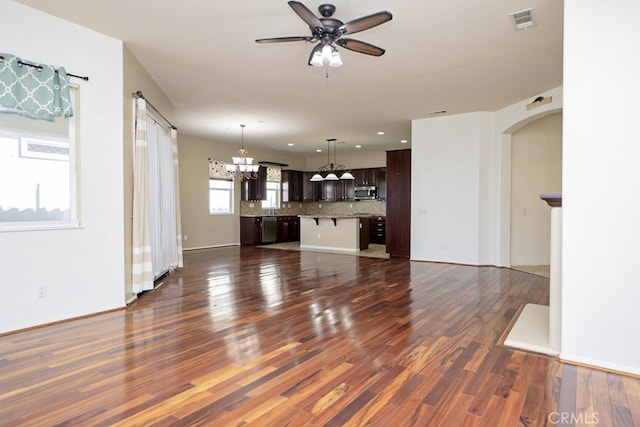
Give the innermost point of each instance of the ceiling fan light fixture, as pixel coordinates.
(316, 59)
(335, 60)
(328, 30)
(326, 53)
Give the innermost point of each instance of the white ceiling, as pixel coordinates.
(453, 55)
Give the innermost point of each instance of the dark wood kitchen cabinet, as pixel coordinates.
(311, 191)
(345, 191)
(382, 184)
(398, 220)
(288, 229)
(250, 230)
(365, 177)
(372, 177)
(254, 189)
(378, 227)
(365, 233)
(292, 186)
(329, 191)
(337, 191)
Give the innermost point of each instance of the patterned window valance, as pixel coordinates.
(37, 91)
(274, 174)
(218, 170)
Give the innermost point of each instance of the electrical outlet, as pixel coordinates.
(186, 237)
(42, 291)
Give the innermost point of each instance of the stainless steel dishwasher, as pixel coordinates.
(269, 225)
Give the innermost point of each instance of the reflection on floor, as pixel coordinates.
(374, 251)
(379, 251)
(538, 270)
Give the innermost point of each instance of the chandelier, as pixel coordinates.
(242, 166)
(331, 167)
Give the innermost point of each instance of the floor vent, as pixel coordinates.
(523, 19)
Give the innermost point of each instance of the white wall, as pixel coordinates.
(601, 200)
(461, 183)
(83, 268)
(446, 186)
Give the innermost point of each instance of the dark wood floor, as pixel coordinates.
(275, 338)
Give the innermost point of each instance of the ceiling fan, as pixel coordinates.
(327, 31)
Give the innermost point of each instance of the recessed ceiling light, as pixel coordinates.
(358, 146)
(403, 141)
(380, 133)
(290, 144)
(318, 150)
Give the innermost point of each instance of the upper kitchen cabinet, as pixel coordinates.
(292, 186)
(370, 177)
(311, 191)
(255, 189)
(347, 190)
(337, 191)
(365, 177)
(381, 179)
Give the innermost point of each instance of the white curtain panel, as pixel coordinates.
(157, 232)
(178, 235)
(142, 267)
(162, 200)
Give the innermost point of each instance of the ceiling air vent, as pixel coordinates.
(523, 19)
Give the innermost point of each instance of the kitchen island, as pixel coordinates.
(334, 232)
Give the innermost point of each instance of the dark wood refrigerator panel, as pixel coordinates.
(398, 221)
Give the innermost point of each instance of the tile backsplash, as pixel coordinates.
(374, 207)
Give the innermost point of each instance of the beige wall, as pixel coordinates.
(200, 228)
(536, 167)
(350, 158)
(136, 79)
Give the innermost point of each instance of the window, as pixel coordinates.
(220, 197)
(273, 196)
(274, 177)
(38, 185)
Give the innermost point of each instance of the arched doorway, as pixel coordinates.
(536, 167)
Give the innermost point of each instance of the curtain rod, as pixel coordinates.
(39, 68)
(139, 94)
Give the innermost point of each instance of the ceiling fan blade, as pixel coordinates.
(285, 39)
(360, 47)
(364, 23)
(307, 16)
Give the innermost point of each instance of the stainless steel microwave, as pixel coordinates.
(366, 193)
